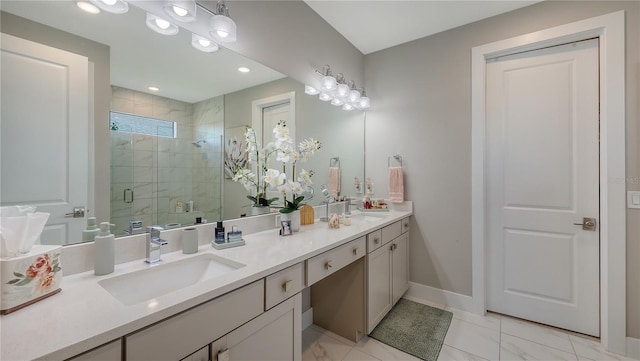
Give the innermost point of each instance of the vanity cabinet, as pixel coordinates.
(109, 352)
(181, 335)
(387, 270)
(275, 335)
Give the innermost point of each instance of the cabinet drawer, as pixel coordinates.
(284, 284)
(391, 231)
(329, 262)
(405, 225)
(374, 240)
(109, 352)
(178, 336)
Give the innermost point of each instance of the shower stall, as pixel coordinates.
(169, 173)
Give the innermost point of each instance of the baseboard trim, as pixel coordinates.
(307, 318)
(418, 292)
(633, 347)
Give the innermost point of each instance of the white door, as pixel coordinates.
(271, 115)
(542, 177)
(44, 133)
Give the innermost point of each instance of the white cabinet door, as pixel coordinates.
(275, 335)
(400, 266)
(378, 285)
(44, 133)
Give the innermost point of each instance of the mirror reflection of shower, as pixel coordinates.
(199, 143)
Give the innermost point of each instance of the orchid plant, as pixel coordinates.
(266, 178)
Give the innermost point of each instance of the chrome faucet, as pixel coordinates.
(347, 206)
(154, 242)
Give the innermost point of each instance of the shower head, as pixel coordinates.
(199, 143)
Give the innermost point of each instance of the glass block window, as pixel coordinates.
(130, 123)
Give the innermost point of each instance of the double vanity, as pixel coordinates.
(234, 304)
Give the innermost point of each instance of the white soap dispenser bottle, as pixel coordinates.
(104, 250)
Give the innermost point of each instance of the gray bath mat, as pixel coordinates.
(414, 328)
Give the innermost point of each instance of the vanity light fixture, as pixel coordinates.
(88, 7)
(112, 6)
(348, 107)
(338, 91)
(160, 25)
(364, 101)
(180, 10)
(342, 90)
(244, 69)
(328, 82)
(223, 28)
(308, 89)
(203, 44)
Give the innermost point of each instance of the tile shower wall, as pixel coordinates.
(163, 171)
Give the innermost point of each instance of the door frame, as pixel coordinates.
(259, 104)
(610, 29)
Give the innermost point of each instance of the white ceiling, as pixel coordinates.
(375, 25)
(140, 57)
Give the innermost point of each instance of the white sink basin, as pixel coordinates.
(369, 216)
(155, 281)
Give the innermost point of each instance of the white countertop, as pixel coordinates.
(84, 315)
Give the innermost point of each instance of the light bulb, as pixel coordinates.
(325, 97)
(90, 8)
(162, 24)
(337, 102)
(354, 96)
(328, 82)
(112, 6)
(348, 107)
(343, 90)
(364, 102)
(180, 11)
(222, 34)
(109, 2)
(204, 42)
(310, 90)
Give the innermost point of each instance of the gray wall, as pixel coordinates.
(421, 109)
(98, 54)
(290, 37)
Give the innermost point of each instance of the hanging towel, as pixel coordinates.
(334, 181)
(396, 185)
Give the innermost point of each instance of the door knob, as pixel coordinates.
(78, 212)
(588, 224)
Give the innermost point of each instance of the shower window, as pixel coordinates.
(130, 123)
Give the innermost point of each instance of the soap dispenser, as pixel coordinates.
(92, 230)
(104, 250)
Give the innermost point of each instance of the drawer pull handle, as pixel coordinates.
(393, 247)
(286, 286)
(355, 251)
(327, 265)
(376, 241)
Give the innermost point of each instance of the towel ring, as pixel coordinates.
(397, 157)
(335, 161)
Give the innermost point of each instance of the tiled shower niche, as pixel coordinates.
(151, 174)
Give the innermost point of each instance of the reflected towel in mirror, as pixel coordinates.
(334, 181)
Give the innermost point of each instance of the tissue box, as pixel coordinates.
(29, 278)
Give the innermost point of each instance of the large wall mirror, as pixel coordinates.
(167, 149)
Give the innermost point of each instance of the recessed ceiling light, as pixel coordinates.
(244, 69)
(153, 88)
(88, 7)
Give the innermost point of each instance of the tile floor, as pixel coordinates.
(470, 337)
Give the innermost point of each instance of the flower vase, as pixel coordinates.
(258, 210)
(294, 217)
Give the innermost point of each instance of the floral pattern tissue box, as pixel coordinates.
(30, 277)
